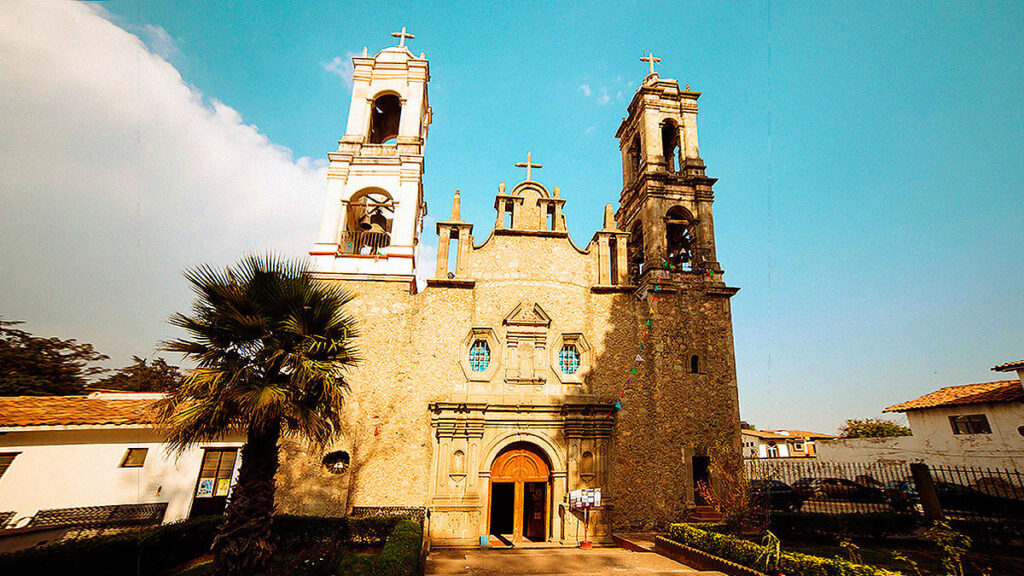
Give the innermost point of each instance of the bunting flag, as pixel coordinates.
(376, 429)
(633, 371)
(639, 358)
(648, 321)
(618, 405)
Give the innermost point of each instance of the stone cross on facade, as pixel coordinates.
(402, 36)
(528, 164)
(650, 59)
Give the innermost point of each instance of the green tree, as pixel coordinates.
(872, 428)
(35, 366)
(140, 376)
(271, 345)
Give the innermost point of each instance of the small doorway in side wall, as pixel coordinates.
(701, 479)
(214, 482)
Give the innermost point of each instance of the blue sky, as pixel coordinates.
(869, 201)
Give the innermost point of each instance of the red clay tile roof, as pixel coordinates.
(113, 410)
(801, 434)
(764, 434)
(985, 392)
(1009, 366)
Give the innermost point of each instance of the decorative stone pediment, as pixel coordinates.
(528, 315)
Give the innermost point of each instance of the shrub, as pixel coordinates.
(150, 551)
(872, 525)
(401, 555)
(154, 550)
(755, 557)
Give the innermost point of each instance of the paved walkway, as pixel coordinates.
(553, 561)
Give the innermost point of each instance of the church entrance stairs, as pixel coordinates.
(551, 562)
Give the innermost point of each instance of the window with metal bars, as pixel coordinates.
(970, 424)
(569, 359)
(479, 356)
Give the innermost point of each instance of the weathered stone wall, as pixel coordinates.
(412, 345)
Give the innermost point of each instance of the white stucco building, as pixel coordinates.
(969, 425)
(61, 457)
(780, 443)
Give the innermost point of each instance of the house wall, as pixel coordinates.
(73, 468)
(933, 440)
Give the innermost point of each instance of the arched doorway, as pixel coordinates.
(520, 494)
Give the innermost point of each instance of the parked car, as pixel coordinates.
(774, 495)
(903, 495)
(837, 489)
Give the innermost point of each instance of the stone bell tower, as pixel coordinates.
(374, 208)
(666, 198)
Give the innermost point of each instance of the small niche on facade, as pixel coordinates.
(458, 463)
(337, 462)
(587, 466)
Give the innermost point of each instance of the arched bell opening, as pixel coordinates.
(370, 216)
(670, 144)
(385, 116)
(679, 241)
(520, 494)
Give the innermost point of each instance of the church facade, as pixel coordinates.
(528, 366)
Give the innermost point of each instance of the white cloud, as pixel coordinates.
(160, 42)
(604, 98)
(426, 264)
(342, 66)
(118, 175)
(585, 88)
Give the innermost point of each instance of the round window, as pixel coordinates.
(337, 462)
(569, 359)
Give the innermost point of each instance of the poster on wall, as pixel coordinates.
(585, 498)
(205, 489)
(223, 486)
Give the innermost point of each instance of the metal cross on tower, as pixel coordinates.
(650, 59)
(528, 164)
(402, 36)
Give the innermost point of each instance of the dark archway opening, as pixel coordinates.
(520, 507)
(670, 144)
(385, 115)
(679, 238)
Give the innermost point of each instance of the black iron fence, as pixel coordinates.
(955, 493)
(818, 487)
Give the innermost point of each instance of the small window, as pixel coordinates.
(337, 462)
(479, 356)
(5, 461)
(798, 447)
(970, 424)
(134, 458)
(695, 364)
(569, 359)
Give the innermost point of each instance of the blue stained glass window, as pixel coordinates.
(479, 355)
(569, 359)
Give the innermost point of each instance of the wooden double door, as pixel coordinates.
(520, 495)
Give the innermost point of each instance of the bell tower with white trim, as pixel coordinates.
(374, 208)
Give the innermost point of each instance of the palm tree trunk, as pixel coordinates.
(244, 544)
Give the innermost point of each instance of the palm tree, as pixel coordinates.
(270, 345)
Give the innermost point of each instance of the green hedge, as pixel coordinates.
(872, 525)
(753, 556)
(401, 555)
(154, 550)
(150, 551)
